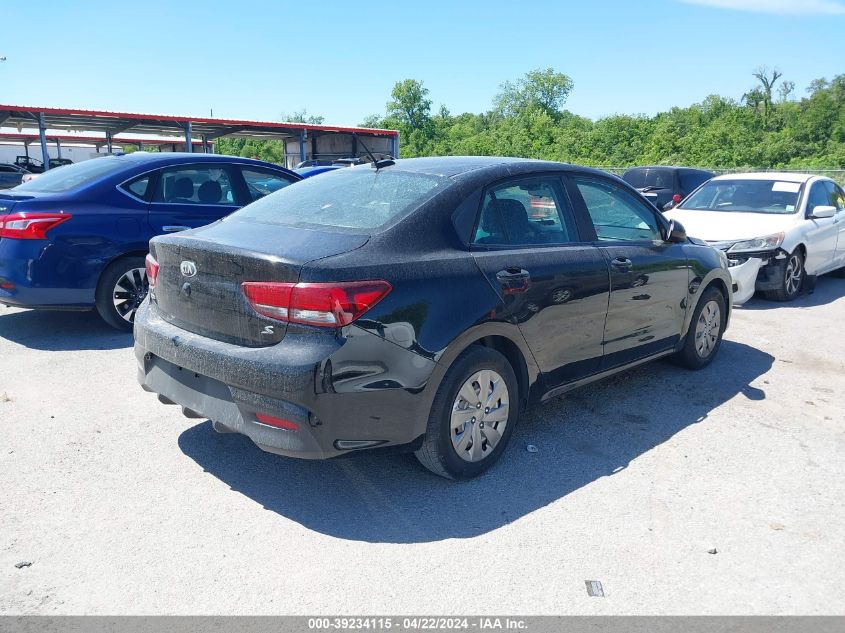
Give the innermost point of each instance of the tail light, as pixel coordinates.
(152, 270)
(30, 226)
(321, 304)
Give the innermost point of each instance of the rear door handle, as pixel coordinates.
(514, 280)
(622, 264)
(173, 228)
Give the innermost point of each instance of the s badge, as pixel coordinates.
(268, 329)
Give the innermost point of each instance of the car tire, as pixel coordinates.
(706, 328)
(122, 288)
(468, 451)
(792, 280)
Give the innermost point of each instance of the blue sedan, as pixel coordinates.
(76, 237)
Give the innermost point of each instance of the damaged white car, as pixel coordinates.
(778, 230)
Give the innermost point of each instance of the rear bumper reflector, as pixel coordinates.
(279, 423)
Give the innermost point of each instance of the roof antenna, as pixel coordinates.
(378, 164)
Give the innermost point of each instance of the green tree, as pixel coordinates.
(767, 80)
(527, 119)
(409, 111)
(302, 116)
(546, 90)
(409, 104)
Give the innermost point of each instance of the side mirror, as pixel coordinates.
(676, 232)
(823, 212)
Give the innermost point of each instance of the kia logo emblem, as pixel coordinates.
(189, 269)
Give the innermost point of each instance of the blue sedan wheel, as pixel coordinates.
(122, 288)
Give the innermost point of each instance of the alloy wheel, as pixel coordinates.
(793, 275)
(707, 329)
(479, 415)
(129, 291)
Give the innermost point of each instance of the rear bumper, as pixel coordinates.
(343, 393)
(29, 279)
(45, 298)
(234, 410)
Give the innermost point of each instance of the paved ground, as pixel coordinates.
(124, 506)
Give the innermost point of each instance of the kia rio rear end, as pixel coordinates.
(420, 306)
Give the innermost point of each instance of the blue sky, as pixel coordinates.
(258, 59)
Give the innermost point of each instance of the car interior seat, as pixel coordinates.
(506, 221)
(744, 198)
(183, 190)
(210, 192)
(517, 225)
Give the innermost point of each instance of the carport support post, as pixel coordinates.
(108, 142)
(394, 151)
(58, 147)
(188, 143)
(42, 135)
(303, 136)
(205, 143)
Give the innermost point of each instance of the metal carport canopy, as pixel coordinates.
(187, 127)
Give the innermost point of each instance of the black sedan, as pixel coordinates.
(11, 175)
(421, 304)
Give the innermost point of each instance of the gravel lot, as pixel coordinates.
(124, 506)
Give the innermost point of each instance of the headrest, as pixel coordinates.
(210, 192)
(183, 188)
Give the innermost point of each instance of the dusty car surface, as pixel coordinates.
(418, 305)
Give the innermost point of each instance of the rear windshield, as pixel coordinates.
(68, 177)
(355, 198)
(749, 196)
(646, 177)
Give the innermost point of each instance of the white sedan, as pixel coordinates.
(775, 228)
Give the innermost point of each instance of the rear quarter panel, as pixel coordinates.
(78, 250)
(440, 302)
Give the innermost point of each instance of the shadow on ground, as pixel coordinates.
(828, 289)
(591, 433)
(61, 331)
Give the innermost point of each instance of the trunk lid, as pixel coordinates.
(201, 271)
(8, 201)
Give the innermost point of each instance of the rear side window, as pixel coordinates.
(261, 182)
(692, 179)
(358, 199)
(656, 178)
(195, 185)
(137, 187)
(73, 176)
(527, 212)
